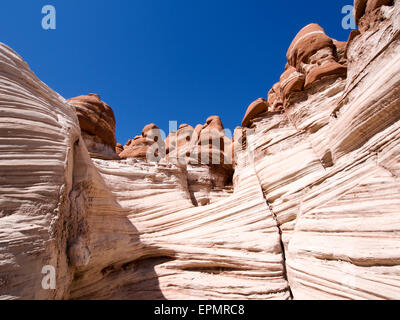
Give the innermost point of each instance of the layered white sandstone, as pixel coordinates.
(312, 212)
(329, 170)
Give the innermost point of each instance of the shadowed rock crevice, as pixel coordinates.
(212, 270)
(282, 245)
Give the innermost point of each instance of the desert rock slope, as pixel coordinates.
(303, 202)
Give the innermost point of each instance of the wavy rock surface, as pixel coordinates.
(39, 132)
(329, 171)
(307, 209)
(125, 229)
(179, 251)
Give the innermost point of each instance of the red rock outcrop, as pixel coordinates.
(257, 107)
(211, 143)
(179, 144)
(147, 146)
(204, 145)
(274, 97)
(119, 148)
(207, 153)
(291, 81)
(313, 53)
(311, 57)
(368, 13)
(97, 123)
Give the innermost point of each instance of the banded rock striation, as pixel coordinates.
(303, 202)
(328, 167)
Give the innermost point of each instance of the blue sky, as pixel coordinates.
(162, 60)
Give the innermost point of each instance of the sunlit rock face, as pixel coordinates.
(256, 108)
(147, 146)
(312, 57)
(40, 137)
(329, 170)
(123, 229)
(207, 153)
(313, 54)
(300, 202)
(97, 122)
(370, 13)
(179, 145)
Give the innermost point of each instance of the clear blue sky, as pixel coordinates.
(161, 60)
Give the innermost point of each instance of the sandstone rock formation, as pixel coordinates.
(97, 123)
(311, 57)
(119, 148)
(369, 13)
(274, 98)
(207, 153)
(329, 171)
(213, 147)
(308, 208)
(179, 145)
(314, 54)
(38, 221)
(257, 107)
(147, 146)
